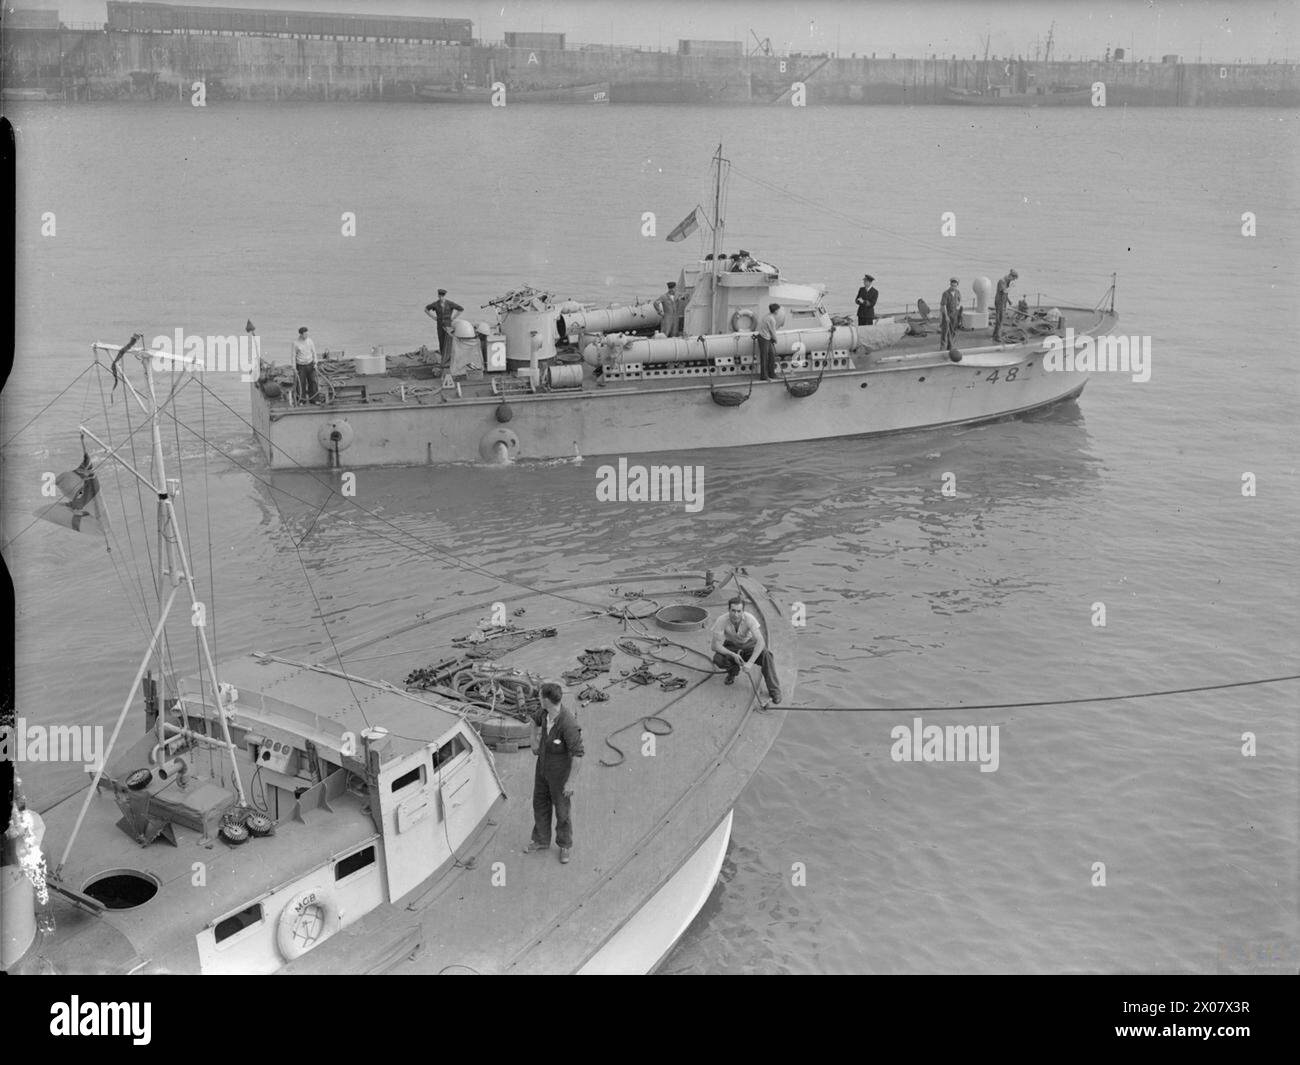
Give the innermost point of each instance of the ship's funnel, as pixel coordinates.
(983, 294)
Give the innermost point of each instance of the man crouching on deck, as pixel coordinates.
(557, 742)
(736, 633)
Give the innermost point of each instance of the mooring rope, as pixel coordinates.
(1047, 702)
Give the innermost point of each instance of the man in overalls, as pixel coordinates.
(738, 641)
(949, 315)
(557, 742)
(669, 311)
(1000, 302)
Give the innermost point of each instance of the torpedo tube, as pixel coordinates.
(611, 320)
(667, 350)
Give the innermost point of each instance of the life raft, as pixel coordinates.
(299, 929)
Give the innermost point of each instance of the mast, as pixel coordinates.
(174, 565)
(718, 227)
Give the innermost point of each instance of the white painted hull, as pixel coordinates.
(679, 414)
(647, 937)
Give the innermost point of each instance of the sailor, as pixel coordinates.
(949, 315)
(738, 641)
(557, 742)
(866, 301)
(304, 362)
(1000, 302)
(443, 310)
(772, 322)
(669, 308)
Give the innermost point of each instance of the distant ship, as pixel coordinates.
(1005, 96)
(555, 379)
(1019, 90)
(595, 93)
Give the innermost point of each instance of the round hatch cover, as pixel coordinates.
(681, 618)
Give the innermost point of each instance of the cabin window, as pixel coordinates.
(354, 863)
(449, 750)
(237, 922)
(415, 776)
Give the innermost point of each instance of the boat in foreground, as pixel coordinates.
(368, 814)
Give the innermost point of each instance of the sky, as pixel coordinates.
(1208, 30)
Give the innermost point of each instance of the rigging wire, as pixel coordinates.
(207, 515)
(199, 658)
(427, 548)
(117, 484)
(28, 424)
(320, 611)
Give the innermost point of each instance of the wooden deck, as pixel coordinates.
(410, 380)
(635, 821)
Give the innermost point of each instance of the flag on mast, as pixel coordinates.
(686, 226)
(80, 508)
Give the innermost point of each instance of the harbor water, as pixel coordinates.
(954, 567)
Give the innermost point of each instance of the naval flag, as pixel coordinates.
(686, 226)
(79, 510)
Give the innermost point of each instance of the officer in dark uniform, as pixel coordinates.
(443, 310)
(866, 301)
(557, 742)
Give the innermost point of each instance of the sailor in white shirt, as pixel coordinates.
(304, 361)
(738, 641)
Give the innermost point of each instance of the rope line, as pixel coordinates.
(427, 548)
(47, 406)
(1048, 702)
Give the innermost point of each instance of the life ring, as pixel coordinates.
(336, 436)
(744, 321)
(309, 918)
(494, 439)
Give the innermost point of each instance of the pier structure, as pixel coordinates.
(310, 57)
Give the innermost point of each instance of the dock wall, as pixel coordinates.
(98, 64)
